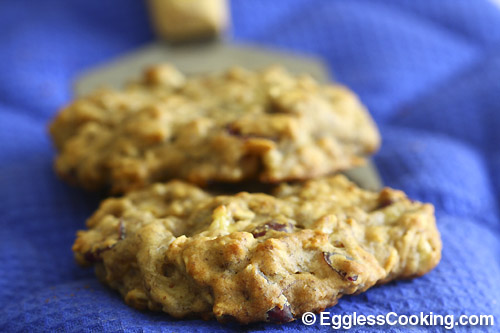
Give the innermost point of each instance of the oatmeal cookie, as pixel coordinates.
(240, 125)
(252, 256)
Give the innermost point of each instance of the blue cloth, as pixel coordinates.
(428, 70)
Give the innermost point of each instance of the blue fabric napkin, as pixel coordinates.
(428, 70)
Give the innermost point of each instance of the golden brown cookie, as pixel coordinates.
(256, 257)
(240, 125)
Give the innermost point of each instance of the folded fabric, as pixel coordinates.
(428, 71)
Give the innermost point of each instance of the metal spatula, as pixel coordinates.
(211, 55)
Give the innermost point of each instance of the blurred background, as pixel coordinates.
(428, 71)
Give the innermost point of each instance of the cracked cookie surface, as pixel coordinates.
(240, 125)
(256, 257)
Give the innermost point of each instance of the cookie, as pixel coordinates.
(255, 257)
(267, 126)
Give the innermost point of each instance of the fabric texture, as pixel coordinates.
(429, 71)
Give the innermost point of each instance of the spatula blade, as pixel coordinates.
(195, 59)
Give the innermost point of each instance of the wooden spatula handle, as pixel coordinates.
(188, 20)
